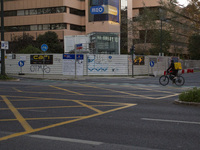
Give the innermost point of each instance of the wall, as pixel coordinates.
(13, 67)
(114, 65)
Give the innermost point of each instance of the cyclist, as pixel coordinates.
(172, 71)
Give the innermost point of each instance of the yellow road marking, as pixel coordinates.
(66, 90)
(167, 96)
(133, 94)
(47, 118)
(53, 99)
(17, 90)
(64, 123)
(119, 92)
(24, 108)
(148, 89)
(90, 107)
(19, 117)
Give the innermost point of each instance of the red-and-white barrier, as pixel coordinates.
(187, 71)
(184, 71)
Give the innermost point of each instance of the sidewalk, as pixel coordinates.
(65, 77)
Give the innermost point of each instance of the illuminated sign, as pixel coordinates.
(41, 59)
(104, 10)
(96, 10)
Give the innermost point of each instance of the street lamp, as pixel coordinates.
(2, 39)
(162, 18)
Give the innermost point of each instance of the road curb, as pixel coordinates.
(186, 103)
(10, 80)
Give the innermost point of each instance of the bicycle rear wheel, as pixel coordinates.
(179, 81)
(164, 80)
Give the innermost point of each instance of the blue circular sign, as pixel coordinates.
(44, 47)
(151, 63)
(21, 63)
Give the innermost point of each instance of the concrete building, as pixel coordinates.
(137, 37)
(66, 18)
(97, 19)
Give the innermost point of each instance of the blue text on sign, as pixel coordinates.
(97, 10)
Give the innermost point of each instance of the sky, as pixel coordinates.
(181, 2)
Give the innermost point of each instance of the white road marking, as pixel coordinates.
(66, 139)
(172, 121)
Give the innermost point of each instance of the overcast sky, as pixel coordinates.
(181, 2)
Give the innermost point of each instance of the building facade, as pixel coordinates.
(65, 17)
(141, 35)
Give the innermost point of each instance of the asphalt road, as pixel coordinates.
(97, 114)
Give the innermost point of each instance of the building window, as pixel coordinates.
(33, 27)
(10, 13)
(77, 12)
(33, 12)
(58, 26)
(20, 13)
(36, 11)
(36, 27)
(46, 27)
(77, 28)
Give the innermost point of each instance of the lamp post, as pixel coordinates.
(161, 20)
(2, 39)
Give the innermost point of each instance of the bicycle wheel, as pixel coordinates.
(179, 81)
(164, 80)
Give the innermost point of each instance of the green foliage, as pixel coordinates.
(156, 45)
(30, 50)
(51, 39)
(194, 48)
(5, 77)
(21, 42)
(191, 95)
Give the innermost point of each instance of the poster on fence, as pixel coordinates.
(69, 64)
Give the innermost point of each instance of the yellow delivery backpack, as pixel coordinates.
(177, 66)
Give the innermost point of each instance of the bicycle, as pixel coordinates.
(178, 80)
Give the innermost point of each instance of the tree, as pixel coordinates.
(194, 48)
(51, 39)
(123, 28)
(193, 12)
(21, 42)
(147, 22)
(166, 42)
(30, 49)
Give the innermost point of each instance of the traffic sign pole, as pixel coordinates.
(44, 48)
(21, 64)
(3, 72)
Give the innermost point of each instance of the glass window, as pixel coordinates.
(33, 11)
(58, 26)
(77, 12)
(10, 13)
(33, 27)
(47, 10)
(77, 28)
(39, 11)
(53, 10)
(20, 13)
(46, 27)
(26, 12)
(60, 9)
(40, 27)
